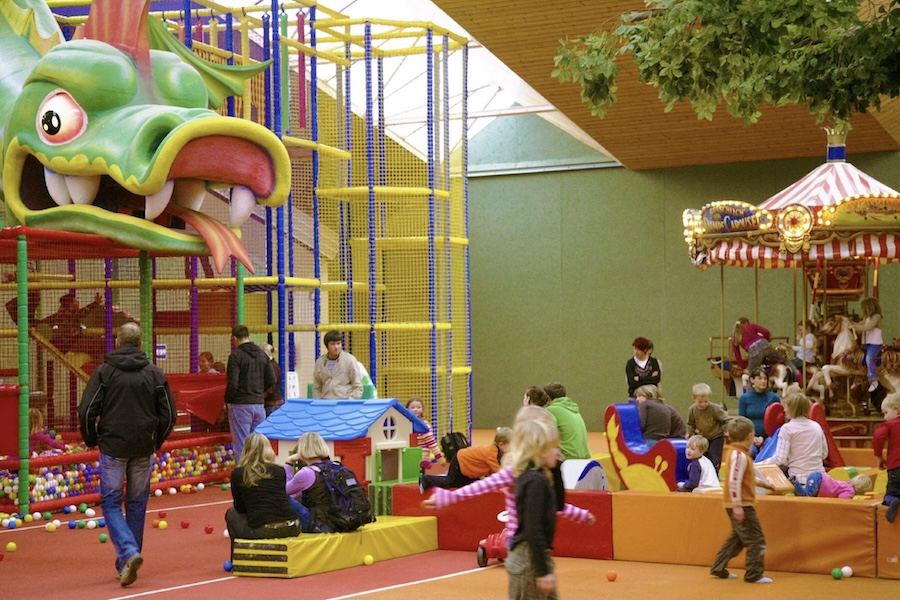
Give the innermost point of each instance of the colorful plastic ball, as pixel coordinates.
(368, 559)
(158, 492)
(224, 487)
(101, 522)
(91, 513)
(611, 575)
(92, 524)
(82, 508)
(162, 514)
(72, 524)
(155, 523)
(208, 529)
(48, 515)
(2, 555)
(847, 571)
(11, 524)
(837, 573)
(11, 547)
(67, 509)
(173, 491)
(163, 525)
(227, 566)
(103, 538)
(29, 518)
(225, 533)
(201, 487)
(185, 524)
(50, 527)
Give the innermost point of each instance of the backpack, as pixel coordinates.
(350, 507)
(451, 443)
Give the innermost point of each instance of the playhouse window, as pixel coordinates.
(389, 428)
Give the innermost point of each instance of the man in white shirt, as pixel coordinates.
(336, 375)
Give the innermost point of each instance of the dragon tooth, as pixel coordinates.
(158, 201)
(243, 201)
(84, 189)
(189, 193)
(56, 187)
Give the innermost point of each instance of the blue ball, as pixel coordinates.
(101, 522)
(227, 566)
(67, 509)
(11, 524)
(72, 524)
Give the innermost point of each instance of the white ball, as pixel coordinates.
(91, 524)
(200, 486)
(37, 516)
(57, 522)
(173, 491)
(157, 493)
(847, 571)
(225, 533)
(89, 513)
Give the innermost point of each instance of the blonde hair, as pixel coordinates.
(648, 391)
(255, 456)
(870, 307)
(891, 401)
(738, 330)
(36, 421)
(311, 448)
(532, 440)
(503, 435)
(532, 412)
(796, 405)
(698, 443)
(701, 389)
(738, 428)
(862, 484)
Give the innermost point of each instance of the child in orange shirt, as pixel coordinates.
(740, 497)
(471, 463)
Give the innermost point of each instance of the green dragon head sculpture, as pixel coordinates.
(112, 134)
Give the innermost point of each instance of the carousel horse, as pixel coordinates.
(780, 377)
(847, 359)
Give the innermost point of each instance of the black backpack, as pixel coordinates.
(350, 507)
(451, 443)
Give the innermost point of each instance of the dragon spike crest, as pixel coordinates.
(123, 25)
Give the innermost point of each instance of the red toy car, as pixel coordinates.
(494, 545)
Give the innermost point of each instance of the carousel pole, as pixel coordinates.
(722, 328)
(755, 291)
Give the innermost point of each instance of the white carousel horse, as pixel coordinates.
(847, 358)
(778, 378)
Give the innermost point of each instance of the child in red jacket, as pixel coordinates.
(889, 433)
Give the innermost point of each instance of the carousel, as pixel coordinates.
(836, 226)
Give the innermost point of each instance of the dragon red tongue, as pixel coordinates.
(221, 240)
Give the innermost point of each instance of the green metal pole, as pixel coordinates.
(24, 380)
(146, 293)
(239, 294)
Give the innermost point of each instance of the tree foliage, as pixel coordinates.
(835, 57)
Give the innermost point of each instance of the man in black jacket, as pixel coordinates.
(127, 409)
(249, 375)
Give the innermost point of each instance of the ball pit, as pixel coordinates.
(58, 480)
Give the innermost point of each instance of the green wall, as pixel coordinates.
(568, 267)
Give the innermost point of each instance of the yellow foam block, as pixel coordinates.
(311, 553)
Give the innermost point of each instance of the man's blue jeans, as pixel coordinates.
(243, 419)
(126, 531)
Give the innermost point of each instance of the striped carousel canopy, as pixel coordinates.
(835, 212)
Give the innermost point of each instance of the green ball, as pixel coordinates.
(81, 524)
(48, 515)
(837, 573)
(82, 507)
(103, 538)
(224, 487)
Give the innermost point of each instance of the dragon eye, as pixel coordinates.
(59, 119)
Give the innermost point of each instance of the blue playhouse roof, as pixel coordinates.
(332, 419)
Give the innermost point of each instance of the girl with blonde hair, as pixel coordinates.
(306, 488)
(261, 508)
(529, 564)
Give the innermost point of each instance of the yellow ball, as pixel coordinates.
(51, 527)
(11, 547)
(368, 560)
(163, 525)
(29, 518)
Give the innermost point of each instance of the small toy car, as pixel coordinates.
(494, 545)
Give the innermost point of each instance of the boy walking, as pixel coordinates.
(740, 498)
(888, 433)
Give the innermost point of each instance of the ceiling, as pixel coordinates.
(525, 34)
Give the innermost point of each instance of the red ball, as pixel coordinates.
(155, 522)
(208, 529)
(611, 575)
(2, 555)
(185, 524)
(162, 514)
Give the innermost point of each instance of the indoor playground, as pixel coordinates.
(193, 165)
